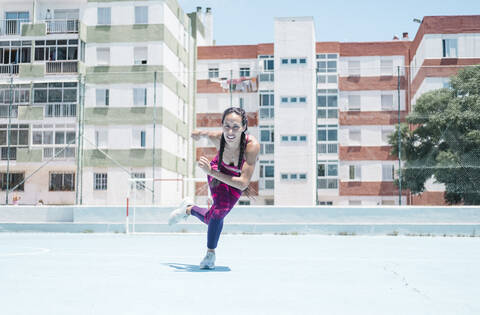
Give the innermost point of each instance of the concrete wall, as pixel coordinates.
(257, 219)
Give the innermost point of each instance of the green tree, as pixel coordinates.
(443, 140)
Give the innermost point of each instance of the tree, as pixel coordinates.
(443, 140)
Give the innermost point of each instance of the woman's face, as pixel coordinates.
(232, 128)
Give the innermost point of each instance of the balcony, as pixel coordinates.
(62, 26)
(7, 70)
(266, 77)
(266, 183)
(12, 26)
(54, 67)
(329, 148)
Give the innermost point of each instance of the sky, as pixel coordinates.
(243, 22)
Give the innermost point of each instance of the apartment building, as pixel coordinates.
(323, 111)
(103, 91)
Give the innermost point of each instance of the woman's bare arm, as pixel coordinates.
(241, 182)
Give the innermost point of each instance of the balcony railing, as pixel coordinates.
(12, 27)
(327, 183)
(267, 183)
(6, 70)
(266, 77)
(62, 26)
(267, 148)
(327, 147)
(61, 67)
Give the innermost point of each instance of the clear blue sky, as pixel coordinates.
(243, 22)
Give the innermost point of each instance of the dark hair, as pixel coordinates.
(240, 112)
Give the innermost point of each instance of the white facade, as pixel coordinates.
(295, 167)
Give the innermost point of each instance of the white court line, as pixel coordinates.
(38, 252)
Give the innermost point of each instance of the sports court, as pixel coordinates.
(86, 273)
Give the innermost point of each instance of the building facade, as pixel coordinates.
(323, 111)
(102, 91)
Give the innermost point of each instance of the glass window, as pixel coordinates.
(284, 61)
(60, 137)
(141, 15)
(449, 48)
(139, 96)
(332, 170)
(103, 16)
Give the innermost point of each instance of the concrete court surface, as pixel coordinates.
(256, 274)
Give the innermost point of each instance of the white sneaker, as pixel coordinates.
(208, 261)
(180, 213)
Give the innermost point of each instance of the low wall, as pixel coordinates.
(248, 219)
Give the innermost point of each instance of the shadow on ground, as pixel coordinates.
(195, 268)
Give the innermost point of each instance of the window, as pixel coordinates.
(449, 48)
(268, 65)
(354, 202)
(284, 61)
(327, 174)
(293, 61)
(101, 138)
(140, 184)
(327, 137)
(213, 73)
(13, 53)
(302, 61)
(139, 96)
(140, 55)
(327, 103)
(244, 72)
(354, 102)
(355, 137)
(386, 67)
(388, 172)
(293, 100)
(387, 102)
(266, 105)
(244, 202)
(327, 63)
(241, 102)
(141, 15)
(386, 133)
(294, 139)
(18, 139)
(100, 181)
(19, 95)
(103, 56)
(267, 174)
(266, 139)
(354, 68)
(13, 180)
(62, 182)
(139, 138)
(53, 50)
(355, 172)
(13, 21)
(103, 16)
(102, 97)
(293, 176)
(57, 141)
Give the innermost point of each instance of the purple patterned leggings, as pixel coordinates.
(214, 219)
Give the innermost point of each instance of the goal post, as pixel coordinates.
(170, 192)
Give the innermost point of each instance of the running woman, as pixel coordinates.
(229, 174)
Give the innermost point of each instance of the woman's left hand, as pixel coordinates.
(204, 164)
